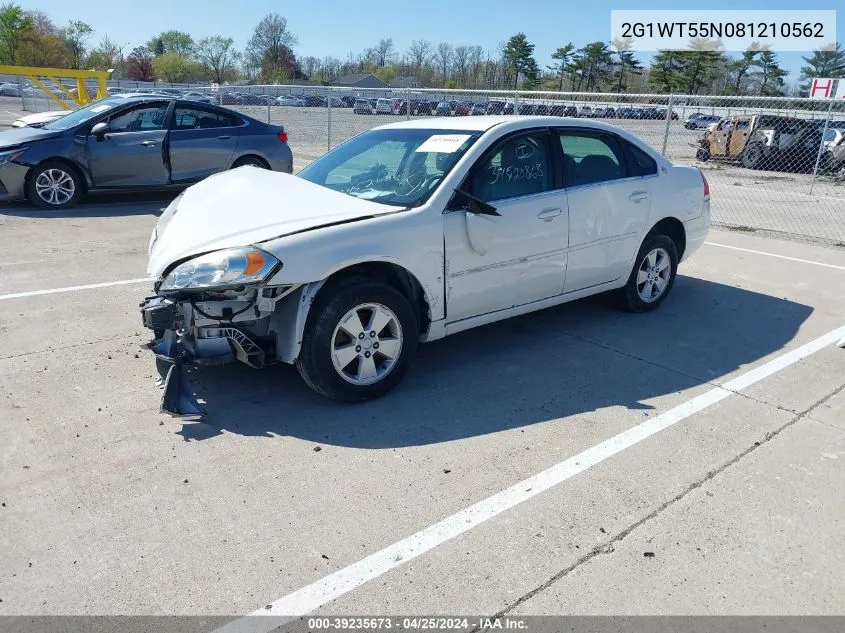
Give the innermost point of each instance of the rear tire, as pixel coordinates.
(652, 276)
(54, 185)
(360, 339)
(255, 161)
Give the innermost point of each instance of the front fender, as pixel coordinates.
(288, 320)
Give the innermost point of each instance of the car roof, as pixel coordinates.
(484, 123)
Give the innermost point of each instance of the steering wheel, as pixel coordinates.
(410, 184)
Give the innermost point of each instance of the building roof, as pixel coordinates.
(408, 81)
(356, 78)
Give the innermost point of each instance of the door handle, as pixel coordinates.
(149, 143)
(638, 196)
(224, 136)
(547, 215)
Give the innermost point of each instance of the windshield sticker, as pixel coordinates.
(443, 143)
(100, 108)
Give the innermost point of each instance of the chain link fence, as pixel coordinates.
(774, 164)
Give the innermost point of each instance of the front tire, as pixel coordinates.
(54, 185)
(653, 275)
(359, 341)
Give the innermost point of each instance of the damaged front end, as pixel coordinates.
(211, 310)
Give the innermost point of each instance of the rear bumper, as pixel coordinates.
(696, 232)
(281, 159)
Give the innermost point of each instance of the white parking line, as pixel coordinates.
(319, 593)
(52, 291)
(792, 259)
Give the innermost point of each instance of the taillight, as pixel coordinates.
(706, 185)
(283, 136)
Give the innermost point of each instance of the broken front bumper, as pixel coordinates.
(176, 347)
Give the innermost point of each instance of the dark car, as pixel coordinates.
(133, 141)
(251, 99)
(464, 108)
(421, 107)
(315, 101)
(479, 108)
(527, 108)
(542, 110)
(347, 102)
(495, 107)
(444, 108)
(229, 98)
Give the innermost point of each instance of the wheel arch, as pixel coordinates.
(81, 173)
(673, 228)
(289, 321)
(249, 154)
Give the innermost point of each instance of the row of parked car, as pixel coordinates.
(421, 107)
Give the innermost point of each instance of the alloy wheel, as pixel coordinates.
(366, 344)
(653, 275)
(55, 186)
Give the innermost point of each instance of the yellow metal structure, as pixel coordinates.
(38, 76)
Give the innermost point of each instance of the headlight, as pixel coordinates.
(221, 269)
(7, 157)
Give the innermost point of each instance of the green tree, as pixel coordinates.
(519, 57)
(743, 66)
(385, 73)
(43, 44)
(14, 24)
(76, 36)
(771, 75)
(176, 68)
(107, 55)
(699, 67)
(666, 71)
(266, 47)
(597, 61)
(562, 56)
(828, 61)
(627, 61)
(218, 57)
(172, 41)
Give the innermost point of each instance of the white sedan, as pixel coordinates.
(408, 233)
(39, 119)
(290, 101)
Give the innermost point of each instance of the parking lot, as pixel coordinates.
(710, 433)
(578, 460)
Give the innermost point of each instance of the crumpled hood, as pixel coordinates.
(17, 136)
(245, 206)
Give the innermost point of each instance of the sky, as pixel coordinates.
(337, 27)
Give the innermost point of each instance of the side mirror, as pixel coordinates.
(465, 200)
(100, 130)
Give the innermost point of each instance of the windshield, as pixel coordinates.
(82, 115)
(400, 167)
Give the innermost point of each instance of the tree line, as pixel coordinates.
(30, 38)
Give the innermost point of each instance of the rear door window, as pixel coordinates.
(640, 163)
(591, 158)
(190, 118)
